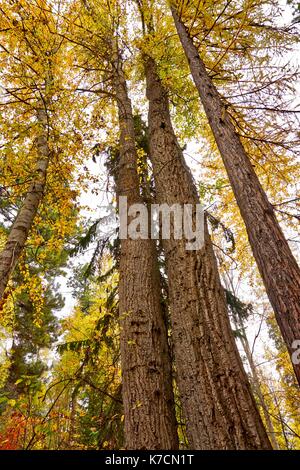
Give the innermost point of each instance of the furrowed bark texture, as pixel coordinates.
(218, 405)
(19, 232)
(276, 263)
(150, 421)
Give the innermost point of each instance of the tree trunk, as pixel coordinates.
(21, 227)
(150, 421)
(238, 323)
(218, 405)
(72, 419)
(275, 261)
(254, 377)
(258, 391)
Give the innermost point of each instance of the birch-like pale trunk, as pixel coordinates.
(20, 229)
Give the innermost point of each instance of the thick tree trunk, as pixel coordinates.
(275, 261)
(21, 227)
(218, 405)
(150, 421)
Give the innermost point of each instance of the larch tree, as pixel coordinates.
(277, 265)
(149, 413)
(146, 367)
(217, 401)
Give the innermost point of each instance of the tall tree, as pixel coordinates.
(274, 258)
(37, 115)
(27, 29)
(218, 405)
(150, 421)
(146, 368)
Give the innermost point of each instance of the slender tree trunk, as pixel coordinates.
(281, 420)
(72, 420)
(258, 391)
(255, 380)
(150, 421)
(275, 261)
(218, 405)
(21, 227)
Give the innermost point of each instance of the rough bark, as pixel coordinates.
(150, 421)
(21, 227)
(274, 258)
(217, 402)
